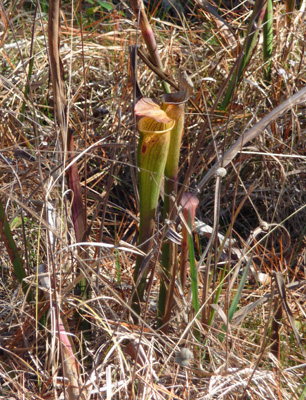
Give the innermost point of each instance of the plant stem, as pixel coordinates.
(148, 36)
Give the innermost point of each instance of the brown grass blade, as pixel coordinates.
(280, 286)
(56, 65)
(78, 211)
(71, 369)
(224, 28)
(246, 310)
(70, 365)
(251, 134)
(59, 93)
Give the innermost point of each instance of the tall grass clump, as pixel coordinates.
(152, 200)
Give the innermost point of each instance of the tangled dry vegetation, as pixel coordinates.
(259, 206)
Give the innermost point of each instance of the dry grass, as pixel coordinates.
(117, 359)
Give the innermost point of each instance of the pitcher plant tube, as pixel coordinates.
(154, 128)
(189, 203)
(161, 129)
(174, 106)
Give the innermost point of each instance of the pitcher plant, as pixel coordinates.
(161, 130)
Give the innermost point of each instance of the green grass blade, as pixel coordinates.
(194, 283)
(237, 296)
(303, 394)
(236, 299)
(7, 238)
(249, 46)
(217, 295)
(268, 40)
(194, 276)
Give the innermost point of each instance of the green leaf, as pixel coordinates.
(194, 281)
(194, 276)
(17, 221)
(7, 238)
(105, 5)
(236, 299)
